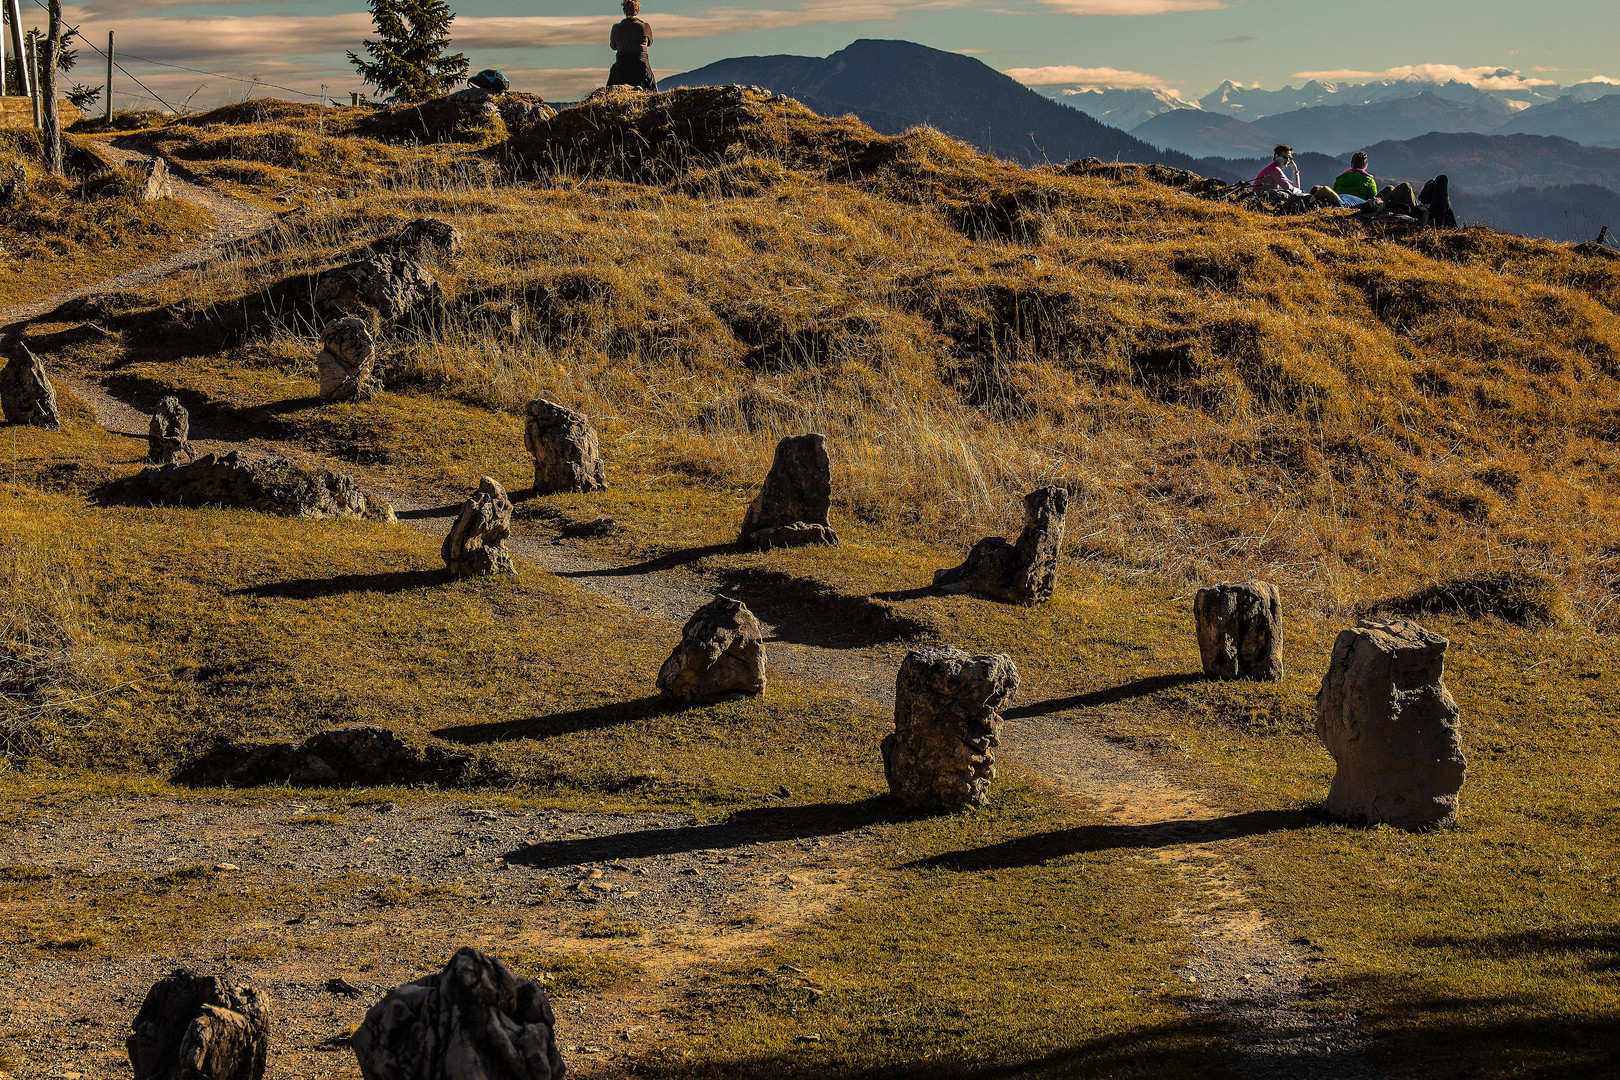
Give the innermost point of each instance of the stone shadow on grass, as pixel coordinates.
(1137, 688)
(563, 723)
(346, 584)
(1043, 847)
(449, 510)
(760, 825)
(659, 564)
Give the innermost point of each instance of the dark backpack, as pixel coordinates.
(491, 80)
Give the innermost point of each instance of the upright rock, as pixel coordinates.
(1385, 715)
(168, 433)
(721, 655)
(379, 288)
(946, 723)
(564, 447)
(26, 393)
(1240, 630)
(348, 355)
(476, 546)
(267, 483)
(791, 509)
(1024, 572)
(200, 1027)
(155, 182)
(476, 1021)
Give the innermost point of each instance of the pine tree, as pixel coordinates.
(407, 61)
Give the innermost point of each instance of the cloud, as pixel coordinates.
(1484, 78)
(1132, 7)
(1088, 78)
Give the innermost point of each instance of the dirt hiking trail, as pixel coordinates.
(1247, 973)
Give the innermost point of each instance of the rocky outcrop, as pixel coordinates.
(946, 725)
(379, 288)
(475, 1021)
(338, 757)
(1240, 630)
(1385, 715)
(200, 1027)
(155, 182)
(721, 655)
(564, 447)
(346, 361)
(1020, 572)
(422, 237)
(476, 545)
(791, 508)
(26, 393)
(269, 484)
(168, 433)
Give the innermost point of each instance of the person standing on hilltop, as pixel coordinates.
(1357, 182)
(630, 39)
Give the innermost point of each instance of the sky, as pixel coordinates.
(558, 49)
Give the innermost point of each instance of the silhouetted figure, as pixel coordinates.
(630, 39)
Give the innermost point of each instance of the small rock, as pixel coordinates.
(196, 1027)
(168, 432)
(476, 545)
(791, 508)
(156, 184)
(421, 237)
(1021, 572)
(340, 985)
(346, 362)
(721, 655)
(1240, 630)
(26, 393)
(946, 725)
(564, 447)
(226, 866)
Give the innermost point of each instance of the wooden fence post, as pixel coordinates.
(109, 76)
(47, 90)
(33, 76)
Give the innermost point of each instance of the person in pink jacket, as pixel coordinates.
(1276, 176)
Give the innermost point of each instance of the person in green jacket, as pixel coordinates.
(1357, 182)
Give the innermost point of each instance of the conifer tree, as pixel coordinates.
(407, 60)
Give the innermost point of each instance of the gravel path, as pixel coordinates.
(1245, 969)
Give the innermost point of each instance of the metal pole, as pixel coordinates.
(18, 55)
(109, 76)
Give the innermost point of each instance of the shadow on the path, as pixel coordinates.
(562, 723)
(761, 825)
(654, 566)
(1041, 847)
(346, 584)
(421, 513)
(1137, 688)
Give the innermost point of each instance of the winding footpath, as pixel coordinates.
(1247, 973)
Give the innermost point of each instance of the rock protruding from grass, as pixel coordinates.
(475, 1020)
(1524, 597)
(721, 656)
(269, 484)
(26, 393)
(791, 509)
(379, 288)
(358, 755)
(168, 433)
(200, 1027)
(564, 446)
(1385, 715)
(1016, 572)
(346, 361)
(155, 182)
(947, 722)
(1240, 630)
(476, 546)
(422, 237)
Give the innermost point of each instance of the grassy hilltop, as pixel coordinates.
(1422, 422)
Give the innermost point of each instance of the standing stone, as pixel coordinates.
(791, 509)
(1385, 715)
(1240, 630)
(563, 445)
(155, 183)
(200, 1027)
(476, 1021)
(379, 287)
(476, 546)
(721, 655)
(26, 393)
(347, 357)
(1024, 572)
(946, 723)
(168, 433)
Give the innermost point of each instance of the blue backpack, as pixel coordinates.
(491, 80)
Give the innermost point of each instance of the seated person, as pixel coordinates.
(1357, 181)
(1275, 177)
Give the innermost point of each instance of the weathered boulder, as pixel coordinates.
(346, 360)
(379, 287)
(520, 110)
(26, 393)
(421, 237)
(1385, 715)
(266, 483)
(476, 545)
(791, 508)
(1240, 630)
(476, 1021)
(155, 182)
(200, 1027)
(344, 756)
(721, 655)
(1020, 572)
(168, 433)
(564, 447)
(946, 723)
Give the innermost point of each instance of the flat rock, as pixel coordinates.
(476, 544)
(721, 655)
(378, 288)
(947, 724)
(357, 755)
(1240, 630)
(26, 393)
(269, 484)
(200, 1027)
(791, 508)
(564, 447)
(1016, 572)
